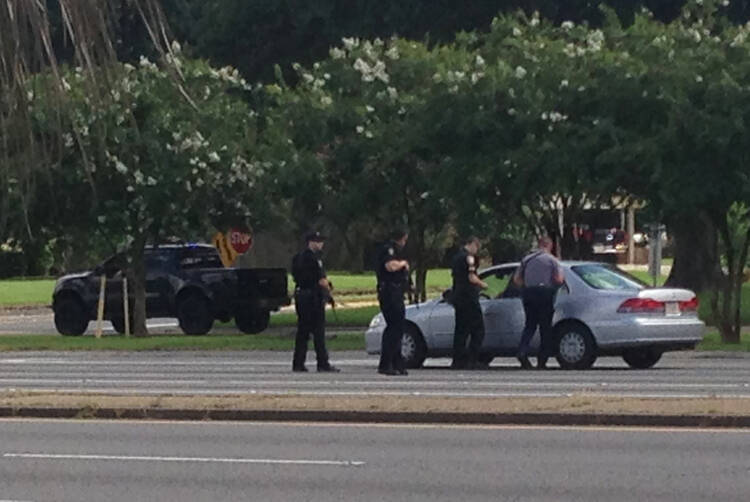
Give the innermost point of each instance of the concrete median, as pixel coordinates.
(576, 410)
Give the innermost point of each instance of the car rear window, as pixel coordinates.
(609, 278)
(200, 258)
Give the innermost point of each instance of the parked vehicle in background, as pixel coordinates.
(188, 282)
(600, 310)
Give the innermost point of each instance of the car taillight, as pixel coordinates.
(690, 305)
(641, 305)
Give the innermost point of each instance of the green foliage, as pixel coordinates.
(340, 341)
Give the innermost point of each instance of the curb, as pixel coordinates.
(325, 416)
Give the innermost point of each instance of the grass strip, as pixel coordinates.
(712, 342)
(336, 342)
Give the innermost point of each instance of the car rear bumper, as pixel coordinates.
(678, 332)
(373, 337)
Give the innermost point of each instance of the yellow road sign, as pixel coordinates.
(226, 251)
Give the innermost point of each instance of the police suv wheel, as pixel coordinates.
(252, 322)
(194, 315)
(642, 358)
(413, 348)
(70, 316)
(576, 349)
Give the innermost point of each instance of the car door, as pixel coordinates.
(504, 317)
(442, 324)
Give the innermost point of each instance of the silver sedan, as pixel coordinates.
(600, 310)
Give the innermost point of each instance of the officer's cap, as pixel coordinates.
(315, 237)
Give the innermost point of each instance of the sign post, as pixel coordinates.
(655, 251)
(100, 309)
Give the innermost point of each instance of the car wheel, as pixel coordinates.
(642, 358)
(194, 315)
(70, 317)
(576, 349)
(413, 348)
(486, 358)
(252, 322)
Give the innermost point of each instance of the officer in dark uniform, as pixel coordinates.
(310, 297)
(469, 320)
(393, 278)
(540, 276)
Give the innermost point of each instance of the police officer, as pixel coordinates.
(393, 276)
(540, 275)
(469, 320)
(310, 297)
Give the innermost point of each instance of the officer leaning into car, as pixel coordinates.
(465, 298)
(310, 297)
(393, 279)
(540, 275)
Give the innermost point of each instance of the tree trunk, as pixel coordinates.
(696, 254)
(421, 285)
(137, 281)
(729, 332)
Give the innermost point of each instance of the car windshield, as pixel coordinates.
(605, 277)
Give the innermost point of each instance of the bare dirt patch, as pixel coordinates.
(578, 404)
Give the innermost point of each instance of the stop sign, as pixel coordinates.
(240, 241)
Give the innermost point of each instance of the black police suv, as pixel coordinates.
(184, 281)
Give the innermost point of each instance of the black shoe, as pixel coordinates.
(387, 371)
(525, 364)
(299, 369)
(541, 363)
(458, 365)
(328, 369)
(402, 371)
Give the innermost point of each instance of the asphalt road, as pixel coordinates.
(120, 461)
(688, 374)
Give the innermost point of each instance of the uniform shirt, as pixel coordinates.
(463, 265)
(389, 252)
(540, 269)
(307, 269)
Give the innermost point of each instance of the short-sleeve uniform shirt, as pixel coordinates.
(462, 266)
(389, 252)
(308, 269)
(540, 269)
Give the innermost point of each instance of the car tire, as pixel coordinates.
(413, 347)
(194, 315)
(70, 316)
(252, 322)
(576, 348)
(642, 359)
(486, 358)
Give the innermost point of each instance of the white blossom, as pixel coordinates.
(563, 83)
(392, 93)
(479, 60)
(326, 101)
(392, 53)
(520, 72)
(567, 25)
(176, 48)
(350, 43)
(369, 109)
(698, 79)
(534, 19)
(214, 157)
(336, 53)
(517, 32)
(360, 129)
(511, 111)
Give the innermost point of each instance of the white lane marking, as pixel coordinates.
(271, 461)
(376, 382)
(385, 393)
